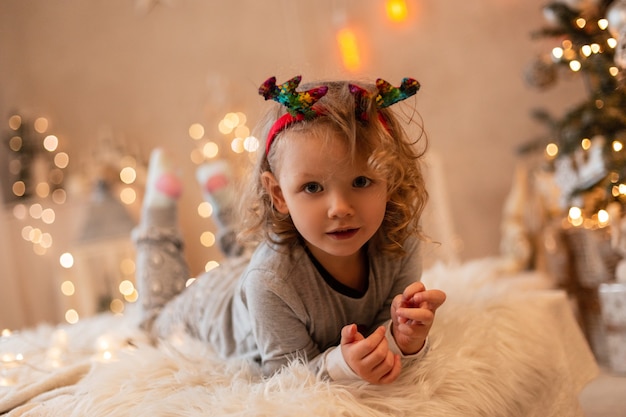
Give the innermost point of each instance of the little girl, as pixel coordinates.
(333, 208)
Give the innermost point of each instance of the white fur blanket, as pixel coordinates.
(502, 345)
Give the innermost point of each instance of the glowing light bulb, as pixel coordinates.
(66, 260)
(552, 150)
(196, 131)
(396, 10)
(603, 217)
(349, 49)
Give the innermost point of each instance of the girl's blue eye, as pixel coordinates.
(361, 182)
(312, 188)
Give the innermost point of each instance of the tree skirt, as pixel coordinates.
(502, 345)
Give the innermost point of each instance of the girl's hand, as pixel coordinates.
(370, 358)
(412, 315)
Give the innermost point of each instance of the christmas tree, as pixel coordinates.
(584, 151)
(585, 145)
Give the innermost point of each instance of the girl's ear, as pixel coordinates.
(270, 183)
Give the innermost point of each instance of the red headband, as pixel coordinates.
(287, 120)
(283, 123)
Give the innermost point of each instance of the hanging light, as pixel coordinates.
(396, 10)
(346, 38)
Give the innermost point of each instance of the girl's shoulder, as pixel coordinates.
(276, 263)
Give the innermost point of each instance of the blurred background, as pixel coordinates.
(89, 88)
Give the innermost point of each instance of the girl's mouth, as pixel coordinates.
(343, 234)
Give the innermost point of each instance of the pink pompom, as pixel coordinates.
(170, 185)
(215, 183)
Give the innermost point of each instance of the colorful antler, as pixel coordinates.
(388, 94)
(286, 94)
(300, 104)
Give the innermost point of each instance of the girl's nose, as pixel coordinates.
(339, 206)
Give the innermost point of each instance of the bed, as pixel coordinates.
(504, 344)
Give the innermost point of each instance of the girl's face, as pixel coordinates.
(334, 202)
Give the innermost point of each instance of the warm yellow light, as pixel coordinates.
(41, 124)
(117, 306)
(67, 288)
(237, 145)
(48, 216)
(231, 120)
(19, 188)
(61, 160)
(15, 122)
(396, 10)
(612, 42)
(580, 22)
(128, 195)
(575, 216)
(569, 54)
(211, 265)
(603, 217)
(207, 239)
(71, 316)
(35, 210)
(205, 209)
(126, 287)
(210, 150)
(585, 143)
(50, 143)
(59, 196)
(617, 145)
(66, 260)
(557, 52)
(132, 297)
(552, 150)
(575, 65)
(224, 127)
(251, 144)
(595, 48)
(586, 50)
(128, 175)
(15, 143)
(46, 241)
(614, 71)
(349, 49)
(603, 24)
(42, 189)
(196, 131)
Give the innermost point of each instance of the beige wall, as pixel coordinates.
(101, 66)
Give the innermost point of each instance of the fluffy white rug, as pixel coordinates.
(502, 345)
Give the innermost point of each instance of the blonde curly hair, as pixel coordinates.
(378, 136)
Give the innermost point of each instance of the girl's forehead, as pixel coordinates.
(315, 155)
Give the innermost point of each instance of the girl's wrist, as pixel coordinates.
(412, 348)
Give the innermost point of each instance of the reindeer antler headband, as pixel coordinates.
(300, 105)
